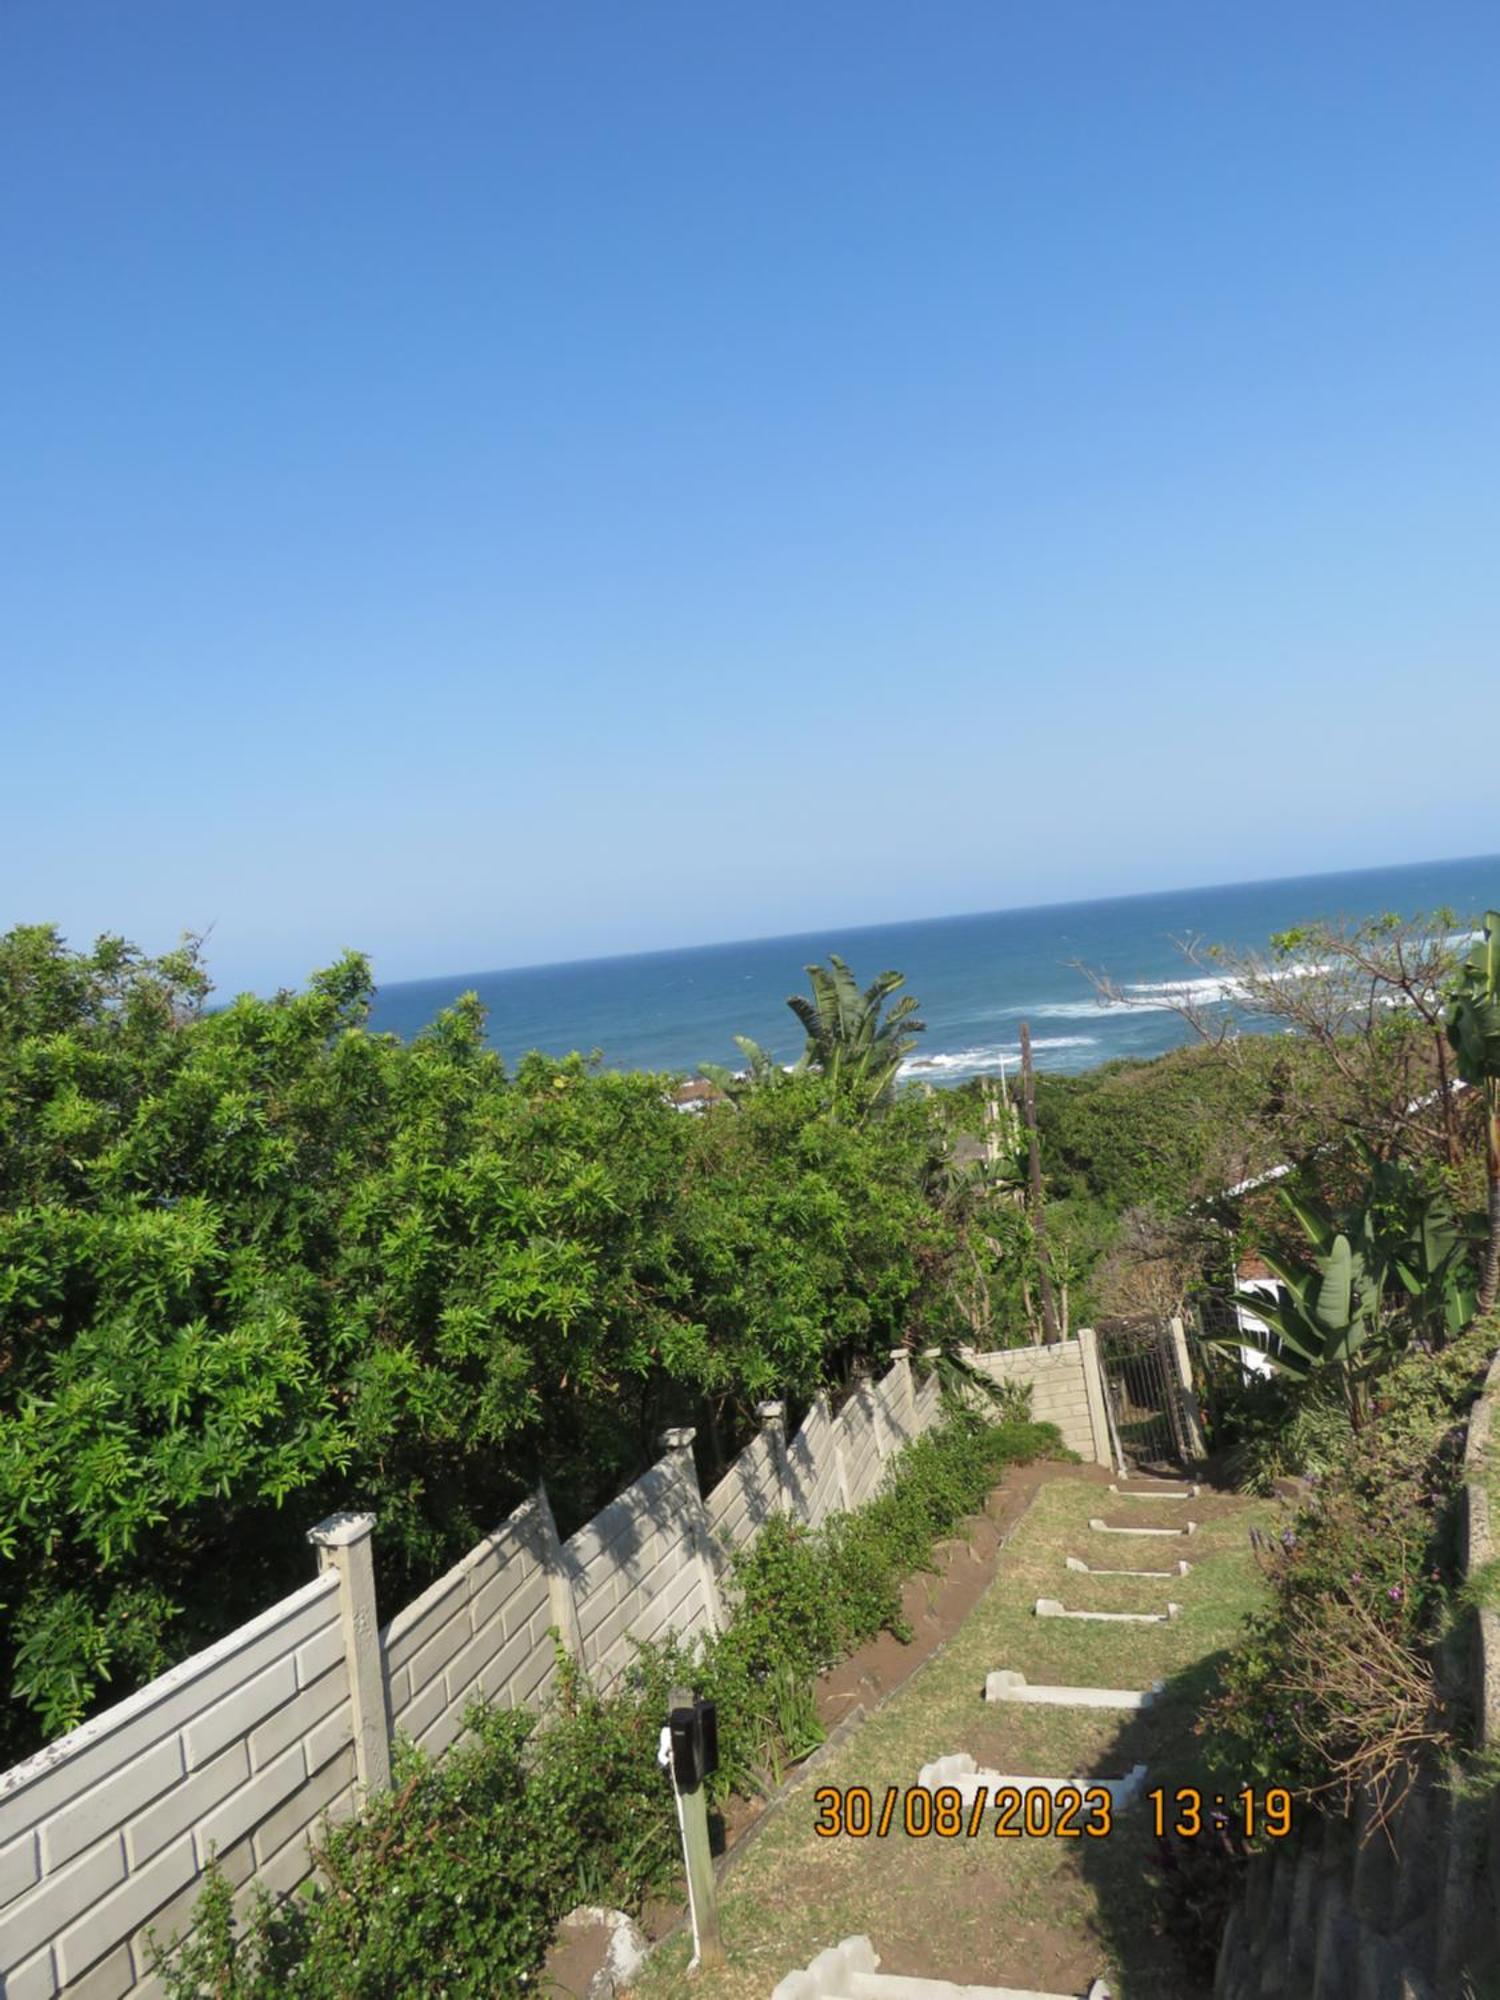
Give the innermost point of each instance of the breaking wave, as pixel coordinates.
(972, 1062)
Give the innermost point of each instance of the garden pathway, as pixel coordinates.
(1034, 1912)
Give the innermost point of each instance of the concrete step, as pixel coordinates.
(1050, 1607)
(1088, 1569)
(967, 1779)
(1103, 1528)
(1165, 1493)
(848, 1971)
(1004, 1685)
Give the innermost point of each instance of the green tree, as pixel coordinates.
(1473, 1022)
(259, 1263)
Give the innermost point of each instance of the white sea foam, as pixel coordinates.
(1057, 1010)
(964, 1062)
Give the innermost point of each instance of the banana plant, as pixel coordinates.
(1425, 1247)
(848, 1042)
(1331, 1318)
(761, 1069)
(1394, 1266)
(847, 1039)
(1473, 1025)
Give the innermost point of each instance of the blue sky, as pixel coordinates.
(495, 483)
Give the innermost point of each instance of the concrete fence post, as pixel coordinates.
(906, 1389)
(1093, 1382)
(773, 1429)
(561, 1602)
(931, 1355)
(677, 1444)
(343, 1544)
(864, 1389)
(841, 1471)
(1191, 1414)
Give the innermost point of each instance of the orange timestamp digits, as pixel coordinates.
(1189, 1812)
(1010, 1812)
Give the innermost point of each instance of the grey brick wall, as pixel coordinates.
(637, 1572)
(1059, 1392)
(105, 1833)
(813, 1467)
(479, 1630)
(747, 1496)
(862, 1467)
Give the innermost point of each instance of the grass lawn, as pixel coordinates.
(1042, 1912)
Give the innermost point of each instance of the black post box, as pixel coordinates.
(695, 1744)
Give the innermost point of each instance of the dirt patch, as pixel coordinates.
(936, 1603)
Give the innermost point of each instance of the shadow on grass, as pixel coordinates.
(1187, 1884)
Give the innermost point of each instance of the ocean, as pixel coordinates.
(977, 977)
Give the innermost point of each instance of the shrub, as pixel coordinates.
(1333, 1687)
(1270, 1428)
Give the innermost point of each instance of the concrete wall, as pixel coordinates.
(815, 1470)
(245, 1747)
(752, 1490)
(479, 1630)
(639, 1570)
(1410, 1912)
(1060, 1390)
(106, 1832)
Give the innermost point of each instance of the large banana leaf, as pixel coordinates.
(1335, 1307)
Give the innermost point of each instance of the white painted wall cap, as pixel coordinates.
(339, 1531)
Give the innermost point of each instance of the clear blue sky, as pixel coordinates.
(491, 483)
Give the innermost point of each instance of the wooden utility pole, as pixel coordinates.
(1034, 1168)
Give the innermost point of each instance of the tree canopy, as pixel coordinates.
(259, 1262)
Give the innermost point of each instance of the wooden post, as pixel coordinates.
(1034, 1172)
(697, 1854)
(343, 1545)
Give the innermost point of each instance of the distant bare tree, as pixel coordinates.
(1362, 1006)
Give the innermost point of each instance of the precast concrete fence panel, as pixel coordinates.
(243, 1749)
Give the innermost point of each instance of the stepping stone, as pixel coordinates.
(1103, 1528)
(967, 1779)
(848, 1971)
(1050, 1607)
(1087, 1569)
(1183, 1493)
(1003, 1685)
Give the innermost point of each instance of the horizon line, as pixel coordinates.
(947, 917)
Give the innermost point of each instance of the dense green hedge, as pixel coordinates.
(453, 1883)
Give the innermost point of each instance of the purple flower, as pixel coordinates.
(1394, 1593)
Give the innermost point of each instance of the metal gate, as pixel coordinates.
(1145, 1395)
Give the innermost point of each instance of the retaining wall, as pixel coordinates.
(1062, 1392)
(245, 1747)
